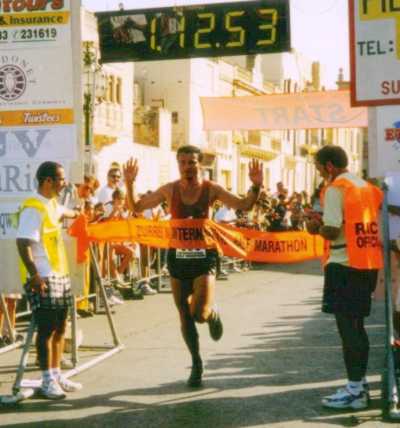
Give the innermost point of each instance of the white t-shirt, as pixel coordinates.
(105, 194)
(148, 214)
(225, 215)
(30, 223)
(333, 216)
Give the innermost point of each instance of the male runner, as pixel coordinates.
(193, 279)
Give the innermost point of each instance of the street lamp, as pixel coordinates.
(94, 87)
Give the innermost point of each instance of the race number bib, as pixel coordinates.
(190, 254)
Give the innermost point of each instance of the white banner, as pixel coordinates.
(375, 52)
(305, 110)
(37, 143)
(40, 95)
(35, 24)
(23, 149)
(30, 79)
(384, 140)
(7, 227)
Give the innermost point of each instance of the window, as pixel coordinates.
(226, 179)
(118, 90)
(111, 89)
(175, 117)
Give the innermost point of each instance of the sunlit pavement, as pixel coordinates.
(278, 357)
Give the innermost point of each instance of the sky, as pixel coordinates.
(319, 28)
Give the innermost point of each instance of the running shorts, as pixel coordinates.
(348, 290)
(189, 264)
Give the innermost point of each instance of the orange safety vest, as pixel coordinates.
(361, 227)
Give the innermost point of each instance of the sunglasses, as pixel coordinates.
(115, 176)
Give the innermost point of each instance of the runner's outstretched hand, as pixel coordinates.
(256, 172)
(130, 170)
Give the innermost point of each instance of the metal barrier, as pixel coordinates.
(145, 267)
(390, 387)
(23, 389)
(9, 326)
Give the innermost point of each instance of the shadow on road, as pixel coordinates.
(279, 376)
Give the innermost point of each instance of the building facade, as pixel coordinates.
(150, 109)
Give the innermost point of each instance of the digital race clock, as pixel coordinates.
(210, 30)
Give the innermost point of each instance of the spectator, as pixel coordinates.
(113, 183)
(47, 283)
(11, 303)
(280, 190)
(296, 212)
(278, 214)
(117, 211)
(98, 212)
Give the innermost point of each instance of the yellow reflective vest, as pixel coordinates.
(51, 236)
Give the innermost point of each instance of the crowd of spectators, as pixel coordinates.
(273, 212)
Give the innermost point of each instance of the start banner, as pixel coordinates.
(268, 247)
(303, 110)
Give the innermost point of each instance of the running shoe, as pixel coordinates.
(52, 391)
(215, 326)
(146, 289)
(68, 385)
(344, 399)
(195, 378)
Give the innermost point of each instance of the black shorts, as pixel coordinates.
(191, 268)
(348, 290)
(49, 320)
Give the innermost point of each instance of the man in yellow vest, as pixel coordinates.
(350, 223)
(45, 274)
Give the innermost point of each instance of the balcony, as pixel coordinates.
(256, 153)
(276, 145)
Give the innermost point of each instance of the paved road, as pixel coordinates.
(278, 356)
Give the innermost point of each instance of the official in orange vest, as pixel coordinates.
(351, 224)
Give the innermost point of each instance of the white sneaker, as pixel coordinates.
(114, 300)
(66, 364)
(344, 399)
(147, 290)
(68, 385)
(52, 390)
